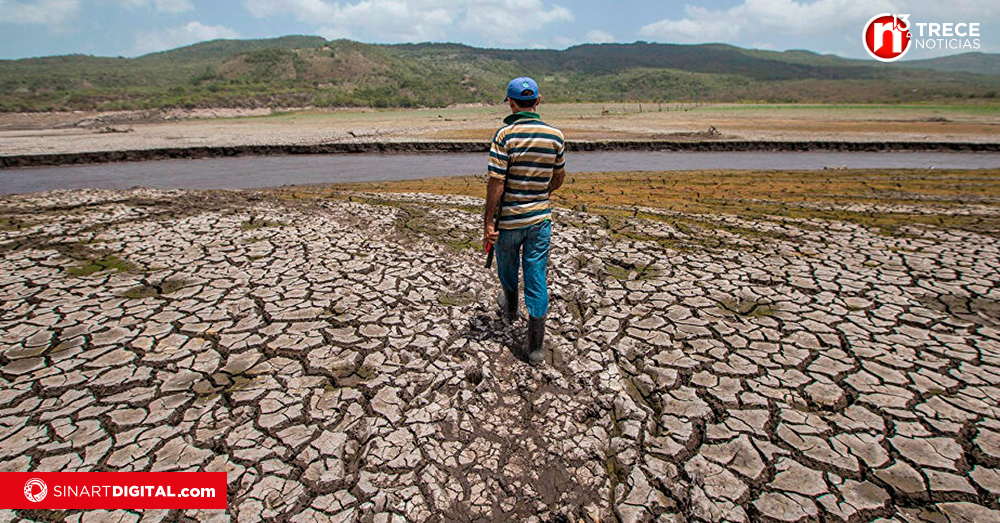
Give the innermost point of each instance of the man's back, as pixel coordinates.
(528, 152)
(526, 164)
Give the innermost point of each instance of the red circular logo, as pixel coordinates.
(31, 486)
(887, 37)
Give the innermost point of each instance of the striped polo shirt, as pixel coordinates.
(527, 152)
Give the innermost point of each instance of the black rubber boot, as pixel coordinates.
(508, 305)
(533, 344)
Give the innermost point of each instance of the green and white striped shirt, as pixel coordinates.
(527, 152)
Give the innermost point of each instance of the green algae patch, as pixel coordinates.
(154, 290)
(456, 298)
(108, 262)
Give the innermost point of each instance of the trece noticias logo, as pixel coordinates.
(887, 37)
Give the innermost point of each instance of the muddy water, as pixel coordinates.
(256, 172)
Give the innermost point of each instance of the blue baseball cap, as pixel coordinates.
(522, 88)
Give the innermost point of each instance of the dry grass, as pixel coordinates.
(711, 191)
(756, 194)
(735, 121)
(578, 134)
(38, 133)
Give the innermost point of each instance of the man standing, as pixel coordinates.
(526, 164)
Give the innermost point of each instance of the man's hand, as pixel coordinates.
(494, 191)
(490, 235)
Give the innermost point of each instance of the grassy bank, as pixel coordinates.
(888, 200)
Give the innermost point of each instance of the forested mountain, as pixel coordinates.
(296, 71)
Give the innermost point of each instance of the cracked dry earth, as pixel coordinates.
(342, 361)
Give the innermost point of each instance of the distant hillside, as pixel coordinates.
(308, 70)
(981, 63)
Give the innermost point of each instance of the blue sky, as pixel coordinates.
(134, 27)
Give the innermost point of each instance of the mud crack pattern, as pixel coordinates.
(342, 361)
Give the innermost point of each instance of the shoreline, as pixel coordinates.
(177, 153)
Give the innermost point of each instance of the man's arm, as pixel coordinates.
(559, 171)
(557, 179)
(494, 189)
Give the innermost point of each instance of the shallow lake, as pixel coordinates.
(271, 171)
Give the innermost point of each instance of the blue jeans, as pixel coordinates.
(528, 246)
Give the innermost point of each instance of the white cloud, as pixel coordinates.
(163, 6)
(334, 33)
(174, 6)
(766, 17)
(392, 20)
(418, 20)
(972, 10)
(43, 12)
(494, 21)
(559, 42)
(833, 25)
(808, 23)
(194, 32)
(599, 37)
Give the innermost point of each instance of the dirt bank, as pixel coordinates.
(66, 133)
(35, 160)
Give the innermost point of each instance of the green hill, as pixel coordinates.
(981, 63)
(308, 70)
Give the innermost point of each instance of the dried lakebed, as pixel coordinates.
(341, 360)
